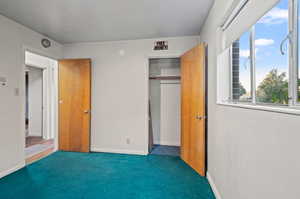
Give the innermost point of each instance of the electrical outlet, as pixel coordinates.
(128, 140)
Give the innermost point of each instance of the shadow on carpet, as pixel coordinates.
(165, 150)
(67, 175)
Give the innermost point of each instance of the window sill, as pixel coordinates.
(285, 110)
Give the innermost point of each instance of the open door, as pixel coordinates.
(74, 104)
(193, 108)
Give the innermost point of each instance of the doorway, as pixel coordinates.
(192, 117)
(34, 105)
(164, 106)
(40, 108)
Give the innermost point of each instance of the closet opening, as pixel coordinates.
(164, 106)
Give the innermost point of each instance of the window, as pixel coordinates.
(272, 65)
(264, 67)
(241, 75)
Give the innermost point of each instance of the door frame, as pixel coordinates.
(147, 59)
(206, 107)
(50, 109)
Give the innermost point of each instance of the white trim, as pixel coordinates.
(253, 64)
(284, 110)
(230, 76)
(121, 151)
(35, 66)
(166, 143)
(224, 76)
(40, 52)
(157, 55)
(147, 97)
(213, 186)
(11, 170)
(55, 106)
(233, 14)
(45, 106)
(293, 52)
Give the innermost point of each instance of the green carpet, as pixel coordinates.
(66, 175)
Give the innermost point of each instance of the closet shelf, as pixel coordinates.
(165, 77)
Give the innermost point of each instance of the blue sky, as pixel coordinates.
(270, 30)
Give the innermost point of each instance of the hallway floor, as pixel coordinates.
(37, 145)
(33, 140)
(106, 176)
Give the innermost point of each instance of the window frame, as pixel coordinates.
(294, 57)
(293, 60)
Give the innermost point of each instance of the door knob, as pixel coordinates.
(198, 117)
(86, 111)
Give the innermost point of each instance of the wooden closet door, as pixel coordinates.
(74, 104)
(193, 108)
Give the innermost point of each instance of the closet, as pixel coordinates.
(164, 106)
(178, 107)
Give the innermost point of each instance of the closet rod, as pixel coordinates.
(165, 78)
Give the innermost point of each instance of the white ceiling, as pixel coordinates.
(70, 21)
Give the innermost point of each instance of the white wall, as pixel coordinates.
(120, 90)
(170, 114)
(13, 39)
(170, 129)
(35, 101)
(251, 153)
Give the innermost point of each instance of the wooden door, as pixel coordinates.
(193, 108)
(74, 104)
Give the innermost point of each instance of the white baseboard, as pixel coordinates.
(213, 186)
(11, 170)
(166, 143)
(122, 151)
